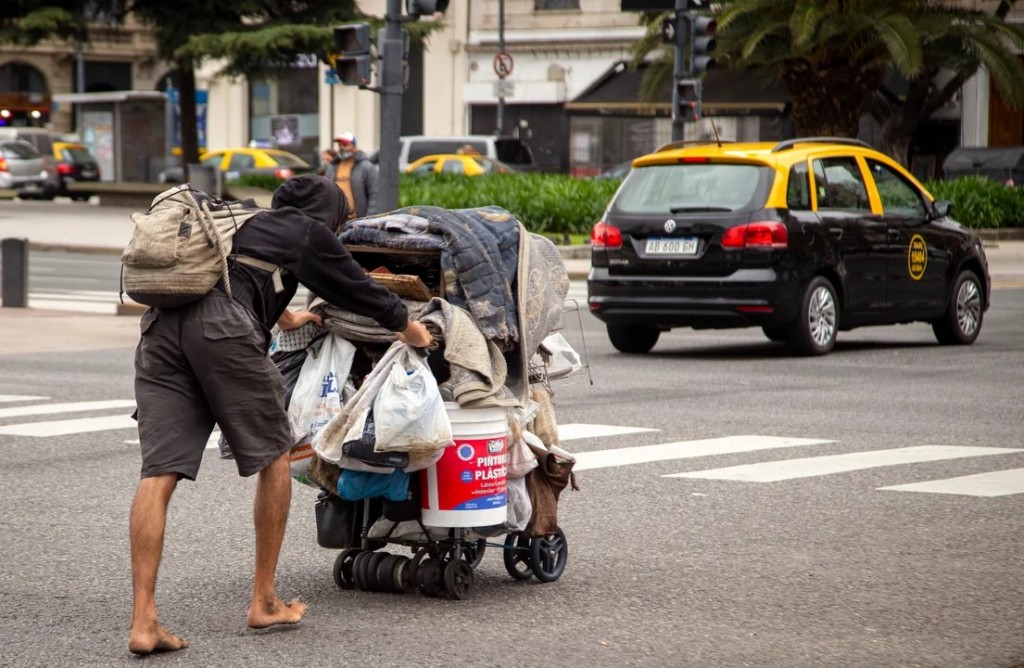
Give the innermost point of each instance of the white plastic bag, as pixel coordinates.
(317, 396)
(408, 411)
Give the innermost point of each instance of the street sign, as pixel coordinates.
(504, 88)
(503, 64)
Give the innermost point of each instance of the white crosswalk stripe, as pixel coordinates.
(772, 468)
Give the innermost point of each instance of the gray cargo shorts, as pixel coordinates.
(199, 365)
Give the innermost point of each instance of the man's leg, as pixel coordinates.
(270, 513)
(148, 518)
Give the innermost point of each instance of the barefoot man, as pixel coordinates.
(206, 363)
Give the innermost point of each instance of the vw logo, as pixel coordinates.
(670, 225)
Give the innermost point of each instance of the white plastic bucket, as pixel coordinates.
(467, 486)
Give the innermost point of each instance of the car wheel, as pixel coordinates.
(818, 321)
(633, 338)
(776, 333)
(961, 323)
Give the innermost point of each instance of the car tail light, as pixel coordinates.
(65, 169)
(694, 160)
(605, 236)
(3, 164)
(284, 173)
(767, 234)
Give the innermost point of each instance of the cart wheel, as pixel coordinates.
(458, 578)
(517, 556)
(426, 577)
(372, 564)
(473, 553)
(414, 568)
(359, 569)
(383, 574)
(401, 575)
(343, 567)
(548, 555)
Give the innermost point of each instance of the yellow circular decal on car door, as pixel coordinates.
(917, 257)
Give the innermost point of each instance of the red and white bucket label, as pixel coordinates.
(471, 475)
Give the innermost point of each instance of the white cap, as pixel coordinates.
(346, 137)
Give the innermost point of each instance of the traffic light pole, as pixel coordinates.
(390, 107)
(681, 71)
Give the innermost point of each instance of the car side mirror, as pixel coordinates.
(941, 209)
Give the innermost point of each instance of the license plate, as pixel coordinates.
(88, 174)
(676, 246)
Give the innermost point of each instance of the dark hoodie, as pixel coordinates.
(298, 234)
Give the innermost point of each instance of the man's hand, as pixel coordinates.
(293, 319)
(415, 335)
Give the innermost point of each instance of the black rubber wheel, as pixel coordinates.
(359, 570)
(343, 568)
(549, 554)
(961, 323)
(427, 577)
(401, 575)
(386, 574)
(817, 322)
(517, 556)
(372, 564)
(414, 567)
(636, 339)
(458, 579)
(776, 333)
(474, 553)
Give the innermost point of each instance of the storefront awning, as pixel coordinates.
(725, 92)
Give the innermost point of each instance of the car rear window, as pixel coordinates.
(18, 149)
(419, 149)
(76, 154)
(288, 160)
(679, 188)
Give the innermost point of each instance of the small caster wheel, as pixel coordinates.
(413, 569)
(548, 556)
(343, 568)
(386, 574)
(401, 575)
(458, 578)
(474, 553)
(517, 556)
(370, 572)
(359, 570)
(427, 577)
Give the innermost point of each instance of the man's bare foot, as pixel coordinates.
(154, 638)
(264, 614)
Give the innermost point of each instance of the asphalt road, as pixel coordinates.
(720, 567)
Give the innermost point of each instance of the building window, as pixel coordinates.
(541, 5)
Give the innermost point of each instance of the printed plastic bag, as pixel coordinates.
(408, 411)
(317, 396)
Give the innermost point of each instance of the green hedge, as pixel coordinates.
(553, 204)
(981, 202)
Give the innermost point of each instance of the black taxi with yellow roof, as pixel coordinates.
(803, 238)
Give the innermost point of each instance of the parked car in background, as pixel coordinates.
(42, 140)
(21, 169)
(235, 162)
(618, 171)
(449, 163)
(75, 164)
(510, 150)
(803, 238)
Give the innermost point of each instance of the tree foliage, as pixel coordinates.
(834, 57)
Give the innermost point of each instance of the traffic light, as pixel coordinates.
(352, 59)
(688, 96)
(702, 43)
(419, 7)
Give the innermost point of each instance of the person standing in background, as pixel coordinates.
(356, 175)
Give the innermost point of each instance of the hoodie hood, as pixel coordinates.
(316, 197)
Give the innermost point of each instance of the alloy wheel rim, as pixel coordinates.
(822, 316)
(968, 307)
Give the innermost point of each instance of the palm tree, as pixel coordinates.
(834, 55)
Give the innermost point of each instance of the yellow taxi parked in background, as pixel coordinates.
(458, 163)
(75, 164)
(235, 162)
(803, 238)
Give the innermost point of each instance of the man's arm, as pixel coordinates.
(371, 187)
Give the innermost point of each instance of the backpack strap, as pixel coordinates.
(275, 271)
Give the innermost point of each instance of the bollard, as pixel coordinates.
(14, 281)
